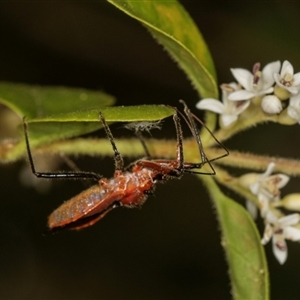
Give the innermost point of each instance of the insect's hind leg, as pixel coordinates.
(51, 175)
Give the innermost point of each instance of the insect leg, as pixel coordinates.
(119, 163)
(72, 175)
(193, 127)
(138, 127)
(179, 137)
(191, 117)
(140, 136)
(195, 132)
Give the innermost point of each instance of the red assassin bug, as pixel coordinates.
(128, 188)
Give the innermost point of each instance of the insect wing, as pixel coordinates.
(89, 221)
(94, 201)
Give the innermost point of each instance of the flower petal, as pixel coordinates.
(211, 104)
(266, 91)
(242, 106)
(271, 218)
(277, 78)
(284, 179)
(291, 233)
(240, 95)
(252, 209)
(244, 77)
(293, 113)
(267, 234)
(296, 79)
(286, 68)
(254, 187)
(228, 119)
(263, 204)
(269, 170)
(295, 101)
(267, 74)
(279, 249)
(292, 89)
(288, 220)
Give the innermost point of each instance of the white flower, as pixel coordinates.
(281, 229)
(271, 104)
(287, 79)
(229, 109)
(265, 186)
(293, 109)
(257, 83)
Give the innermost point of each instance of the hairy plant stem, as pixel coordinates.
(167, 148)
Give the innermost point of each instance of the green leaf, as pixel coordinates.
(54, 113)
(112, 114)
(241, 241)
(38, 101)
(34, 101)
(55, 127)
(172, 26)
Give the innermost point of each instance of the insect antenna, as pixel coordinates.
(52, 175)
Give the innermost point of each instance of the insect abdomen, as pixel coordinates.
(80, 206)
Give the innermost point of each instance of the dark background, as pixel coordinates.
(171, 248)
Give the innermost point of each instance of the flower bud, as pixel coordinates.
(291, 202)
(248, 179)
(271, 105)
(281, 93)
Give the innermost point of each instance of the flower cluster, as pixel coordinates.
(269, 88)
(266, 188)
(270, 94)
